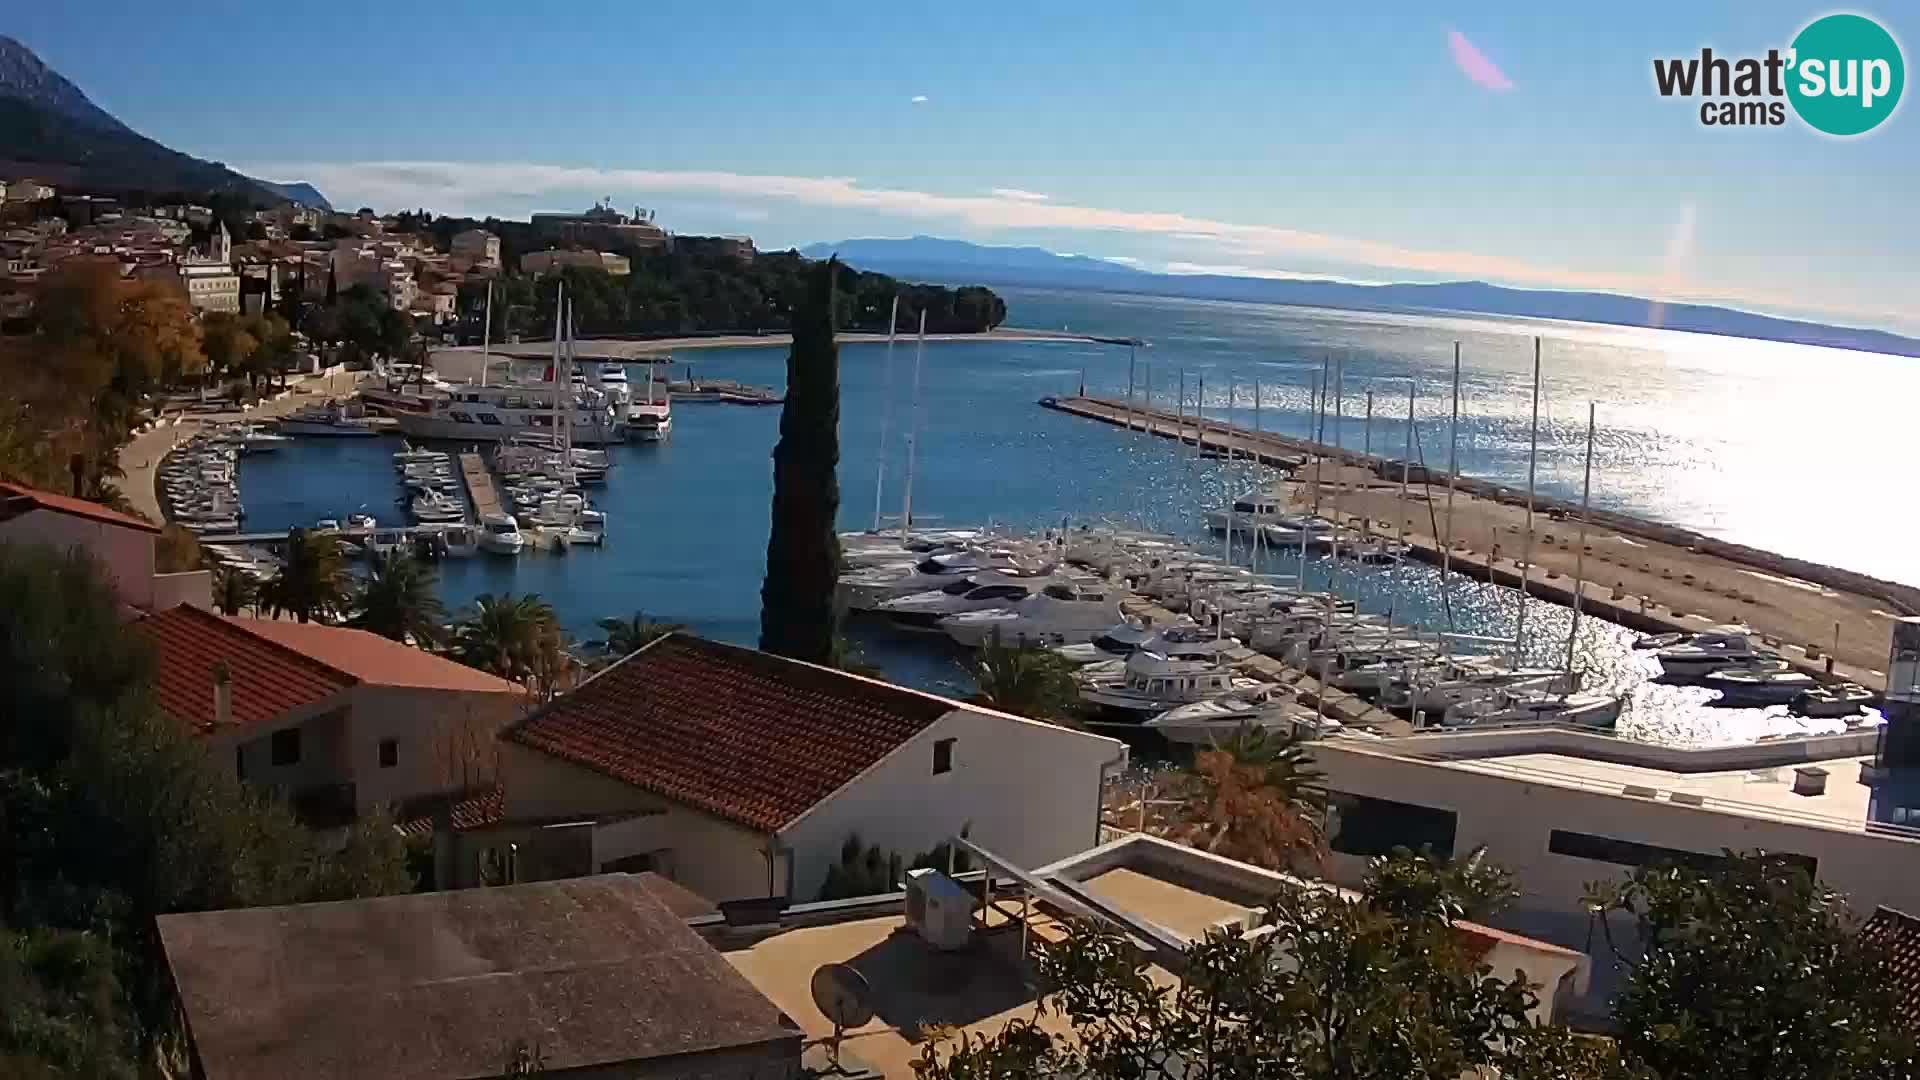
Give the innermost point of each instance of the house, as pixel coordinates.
(594, 977)
(740, 775)
(121, 543)
(603, 226)
(542, 262)
(478, 246)
(24, 190)
(340, 720)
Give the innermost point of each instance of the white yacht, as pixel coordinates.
(1508, 708)
(649, 418)
(867, 590)
(501, 535)
(1710, 651)
(434, 508)
(972, 592)
(1755, 685)
(1216, 720)
(498, 413)
(1150, 683)
(1059, 614)
(1247, 512)
(1116, 642)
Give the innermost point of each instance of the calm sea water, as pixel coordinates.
(1786, 447)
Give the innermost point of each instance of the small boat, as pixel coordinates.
(1832, 702)
(385, 542)
(327, 525)
(361, 521)
(459, 541)
(590, 537)
(1212, 722)
(1659, 641)
(1710, 651)
(1758, 685)
(501, 535)
(1507, 709)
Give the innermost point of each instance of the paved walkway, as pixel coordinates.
(140, 459)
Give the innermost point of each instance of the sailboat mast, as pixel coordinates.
(886, 412)
(1526, 545)
(1453, 471)
(1259, 490)
(1406, 464)
(913, 429)
(1580, 553)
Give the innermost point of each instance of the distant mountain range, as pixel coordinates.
(51, 131)
(956, 260)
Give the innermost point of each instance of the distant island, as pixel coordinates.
(939, 258)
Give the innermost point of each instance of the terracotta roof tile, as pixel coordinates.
(376, 660)
(268, 679)
(15, 499)
(1897, 935)
(746, 736)
(470, 810)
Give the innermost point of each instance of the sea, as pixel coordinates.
(1787, 447)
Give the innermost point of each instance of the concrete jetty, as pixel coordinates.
(1643, 574)
(480, 487)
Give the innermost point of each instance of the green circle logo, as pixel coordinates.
(1846, 74)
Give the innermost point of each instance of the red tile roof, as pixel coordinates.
(746, 736)
(269, 679)
(469, 810)
(15, 500)
(279, 666)
(1896, 935)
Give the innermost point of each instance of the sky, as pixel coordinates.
(1519, 142)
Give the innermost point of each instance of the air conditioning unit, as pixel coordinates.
(939, 909)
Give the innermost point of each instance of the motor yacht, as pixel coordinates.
(868, 590)
(971, 592)
(1059, 614)
(432, 508)
(1756, 685)
(328, 421)
(1709, 651)
(1150, 683)
(1508, 708)
(501, 535)
(1216, 720)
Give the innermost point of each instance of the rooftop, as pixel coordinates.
(447, 984)
(280, 666)
(750, 737)
(16, 499)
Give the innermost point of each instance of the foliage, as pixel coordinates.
(848, 656)
(1411, 884)
(1332, 986)
(628, 636)
(112, 813)
(797, 617)
(177, 550)
(233, 592)
(516, 638)
(1752, 970)
(1024, 680)
(868, 870)
(397, 600)
(313, 582)
(1256, 798)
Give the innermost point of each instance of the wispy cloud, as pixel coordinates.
(479, 189)
(1018, 193)
(1474, 64)
(918, 99)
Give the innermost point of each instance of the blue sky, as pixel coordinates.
(1277, 137)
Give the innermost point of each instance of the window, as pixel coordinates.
(286, 747)
(489, 418)
(942, 756)
(240, 762)
(389, 753)
(460, 417)
(1363, 825)
(1581, 845)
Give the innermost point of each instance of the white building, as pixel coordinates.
(740, 775)
(211, 282)
(479, 246)
(24, 190)
(123, 545)
(541, 262)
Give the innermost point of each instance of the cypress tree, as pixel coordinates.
(803, 551)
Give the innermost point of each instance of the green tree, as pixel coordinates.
(1335, 987)
(397, 600)
(797, 616)
(1421, 883)
(1256, 798)
(627, 636)
(1024, 680)
(233, 592)
(514, 637)
(227, 342)
(1750, 969)
(313, 581)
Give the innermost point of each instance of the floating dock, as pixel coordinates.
(1642, 574)
(480, 488)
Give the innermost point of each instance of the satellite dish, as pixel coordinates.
(842, 994)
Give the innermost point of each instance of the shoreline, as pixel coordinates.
(638, 350)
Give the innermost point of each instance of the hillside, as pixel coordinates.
(51, 131)
(942, 258)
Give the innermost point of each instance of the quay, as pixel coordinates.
(480, 488)
(1646, 575)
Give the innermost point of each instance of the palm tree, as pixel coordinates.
(515, 638)
(628, 636)
(233, 592)
(397, 600)
(313, 583)
(1256, 798)
(1024, 680)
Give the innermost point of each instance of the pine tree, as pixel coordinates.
(803, 551)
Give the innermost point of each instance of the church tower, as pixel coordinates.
(220, 245)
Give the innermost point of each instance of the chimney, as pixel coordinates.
(222, 694)
(1810, 780)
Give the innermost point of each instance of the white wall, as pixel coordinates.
(446, 740)
(1030, 791)
(717, 859)
(126, 553)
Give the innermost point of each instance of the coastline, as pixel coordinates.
(640, 349)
